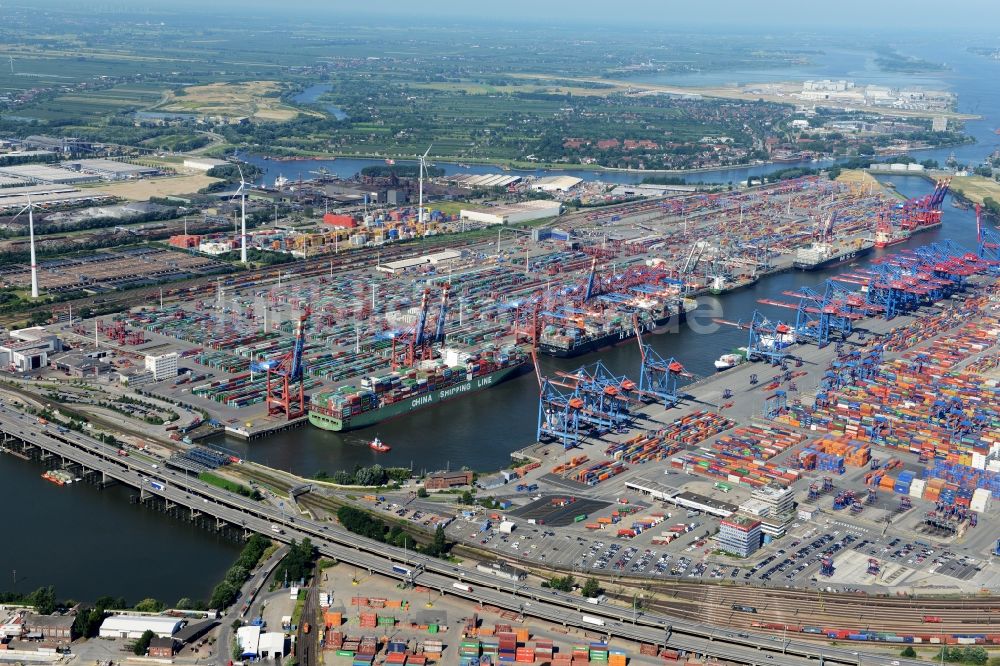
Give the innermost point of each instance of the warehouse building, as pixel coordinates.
(445, 480)
(248, 640)
(271, 645)
(501, 570)
(435, 259)
(556, 183)
(525, 211)
(203, 163)
(49, 627)
(111, 169)
(161, 648)
(80, 363)
(14, 198)
(42, 173)
(685, 500)
(24, 355)
(133, 626)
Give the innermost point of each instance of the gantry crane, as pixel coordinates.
(283, 396)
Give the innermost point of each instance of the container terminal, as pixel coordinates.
(854, 449)
(363, 336)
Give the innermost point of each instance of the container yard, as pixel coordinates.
(400, 627)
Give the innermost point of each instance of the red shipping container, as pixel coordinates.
(340, 221)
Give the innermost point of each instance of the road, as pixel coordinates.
(200, 498)
(306, 642)
(242, 610)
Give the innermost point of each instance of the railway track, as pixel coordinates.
(903, 615)
(204, 286)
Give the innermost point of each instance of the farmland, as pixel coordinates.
(142, 190)
(253, 99)
(479, 94)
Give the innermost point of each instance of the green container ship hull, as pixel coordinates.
(328, 422)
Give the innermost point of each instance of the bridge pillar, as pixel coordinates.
(144, 495)
(194, 514)
(168, 505)
(219, 524)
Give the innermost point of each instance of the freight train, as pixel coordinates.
(882, 636)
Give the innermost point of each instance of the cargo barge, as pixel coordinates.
(402, 392)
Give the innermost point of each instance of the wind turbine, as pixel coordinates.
(31, 233)
(423, 166)
(243, 215)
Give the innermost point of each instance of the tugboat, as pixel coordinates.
(378, 446)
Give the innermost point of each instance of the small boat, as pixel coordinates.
(54, 477)
(377, 445)
(731, 360)
(390, 161)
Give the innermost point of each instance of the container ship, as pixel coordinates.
(825, 255)
(457, 373)
(587, 331)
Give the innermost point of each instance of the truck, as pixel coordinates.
(396, 568)
(277, 530)
(157, 485)
(600, 599)
(590, 619)
(461, 586)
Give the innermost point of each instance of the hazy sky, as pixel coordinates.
(868, 15)
(759, 13)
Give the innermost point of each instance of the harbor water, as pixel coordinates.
(87, 542)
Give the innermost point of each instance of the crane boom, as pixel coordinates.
(442, 314)
(295, 371)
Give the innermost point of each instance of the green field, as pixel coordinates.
(226, 484)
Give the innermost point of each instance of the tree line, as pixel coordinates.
(360, 522)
